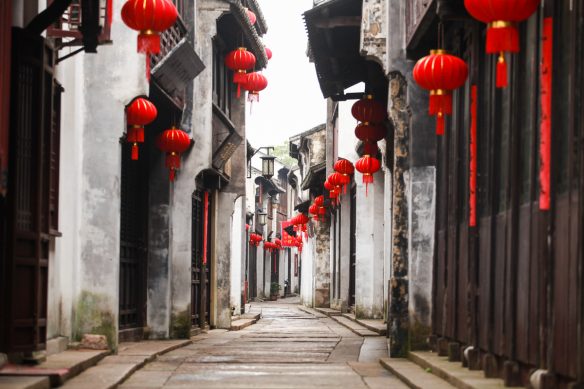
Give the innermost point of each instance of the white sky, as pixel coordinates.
(292, 103)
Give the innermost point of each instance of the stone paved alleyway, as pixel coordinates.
(287, 348)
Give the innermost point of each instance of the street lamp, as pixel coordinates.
(268, 165)
(262, 217)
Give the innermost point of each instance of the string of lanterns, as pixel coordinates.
(372, 114)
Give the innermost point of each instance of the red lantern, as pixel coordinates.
(367, 166)
(368, 110)
(240, 61)
(337, 180)
(502, 34)
(268, 53)
(301, 219)
(313, 210)
(251, 16)
(370, 132)
(138, 114)
(150, 18)
(256, 82)
(319, 201)
(173, 141)
(440, 73)
(345, 168)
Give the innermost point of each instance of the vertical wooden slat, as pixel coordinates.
(5, 59)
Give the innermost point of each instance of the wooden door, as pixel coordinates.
(133, 245)
(31, 214)
(200, 259)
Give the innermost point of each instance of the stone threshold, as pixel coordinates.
(375, 325)
(361, 327)
(57, 368)
(453, 372)
(413, 375)
(311, 311)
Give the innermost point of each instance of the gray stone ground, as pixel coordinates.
(287, 348)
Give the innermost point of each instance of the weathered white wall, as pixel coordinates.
(387, 243)
(85, 270)
(307, 283)
(237, 254)
(369, 262)
(421, 186)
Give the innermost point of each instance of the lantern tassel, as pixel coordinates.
(149, 42)
(502, 80)
(171, 175)
(440, 124)
(135, 152)
(367, 179)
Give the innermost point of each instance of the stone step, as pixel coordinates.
(375, 325)
(241, 324)
(59, 367)
(412, 375)
(328, 311)
(15, 382)
(354, 326)
(312, 311)
(114, 369)
(453, 372)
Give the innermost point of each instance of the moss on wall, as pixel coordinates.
(93, 316)
(419, 334)
(180, 324)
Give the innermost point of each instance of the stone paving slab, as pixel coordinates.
(14, 382)
(102, 376)
(412, 375)
(265, 376)
(454, 373)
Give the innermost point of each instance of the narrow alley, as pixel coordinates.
(287, 348)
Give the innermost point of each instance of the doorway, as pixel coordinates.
(201, 259)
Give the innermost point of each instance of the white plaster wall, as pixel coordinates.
(64, 265)
(237, 254)
(387, 242)
(307, 284)
(421, 195)
(106, 83)
(369, 249)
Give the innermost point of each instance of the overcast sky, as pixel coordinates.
(292, 103)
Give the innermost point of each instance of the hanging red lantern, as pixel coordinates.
(501, 17)
(370, 132)
(256, 82)
(150, 18)
(240, 61)
(368, 110)
(347, 169)
(252, 16)
(268, 53)
(301, 219)
(337, 180)
(313, 210)
(138, 114)
(173, 141)
(440, 73)
(367, 166)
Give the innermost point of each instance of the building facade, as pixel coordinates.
(109, 245)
